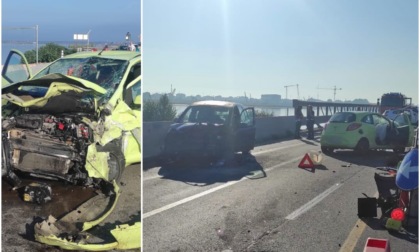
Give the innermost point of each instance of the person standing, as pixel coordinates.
(310, 121)
(299, 118)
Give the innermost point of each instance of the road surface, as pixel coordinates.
(265, 203)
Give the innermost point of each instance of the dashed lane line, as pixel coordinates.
(313, 202)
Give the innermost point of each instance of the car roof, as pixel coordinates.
(358, 112)
(215, 103)
(119, 55)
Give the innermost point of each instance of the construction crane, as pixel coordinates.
(297, 87)
(334, 88)
(172, 90)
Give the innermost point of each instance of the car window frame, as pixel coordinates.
(6, 66)
(365, 121)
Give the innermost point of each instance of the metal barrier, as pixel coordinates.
(330, 108)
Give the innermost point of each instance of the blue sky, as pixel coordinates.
(108, 20)
(228, 47)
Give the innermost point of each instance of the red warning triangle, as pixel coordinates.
(306, 162)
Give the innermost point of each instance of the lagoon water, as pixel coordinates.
(5, 49)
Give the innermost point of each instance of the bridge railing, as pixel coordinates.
(330, 108)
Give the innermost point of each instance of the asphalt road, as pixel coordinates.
(18, 217)
(265, 203)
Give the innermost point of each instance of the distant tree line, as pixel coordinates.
(47, 53)
(161, 110)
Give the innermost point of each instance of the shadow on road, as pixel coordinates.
(203, 173)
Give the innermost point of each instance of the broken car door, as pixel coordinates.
(245, 132)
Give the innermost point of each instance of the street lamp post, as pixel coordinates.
(128, 39)
(87, 36)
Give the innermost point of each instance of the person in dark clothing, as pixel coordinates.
(299, 118)
(310, 121)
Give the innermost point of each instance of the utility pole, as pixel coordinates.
(36, 28)
(334, 88)
(87, 34)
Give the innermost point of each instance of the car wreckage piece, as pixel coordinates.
(70, 231)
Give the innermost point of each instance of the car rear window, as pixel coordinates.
(343, 117)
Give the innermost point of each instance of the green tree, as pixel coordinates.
(159, 111)
(30, 57)
(47, 53)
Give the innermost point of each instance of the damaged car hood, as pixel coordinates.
(36, 92)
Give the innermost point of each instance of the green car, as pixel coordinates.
(78, 119)
(363, 131)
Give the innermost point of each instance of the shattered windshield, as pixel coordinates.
(206, 114)
(106, 73)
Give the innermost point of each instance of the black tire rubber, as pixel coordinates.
(362, 146)
(327, 150)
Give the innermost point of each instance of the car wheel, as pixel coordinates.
(327, 150)
(362, 146)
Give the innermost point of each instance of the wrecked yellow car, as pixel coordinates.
(77, 120)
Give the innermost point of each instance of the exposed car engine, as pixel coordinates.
(46, 146)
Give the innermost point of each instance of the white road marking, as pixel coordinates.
(313, 202)
(256, 153)
(212, 190)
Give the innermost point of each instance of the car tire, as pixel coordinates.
(362, 146)
(116, 161)
(327, 150)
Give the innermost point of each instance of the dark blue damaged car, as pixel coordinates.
(210, 129)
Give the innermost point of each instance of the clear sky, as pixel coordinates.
(108, 20)
(228, 47)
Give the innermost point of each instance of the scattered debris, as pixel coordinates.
(37, 192)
